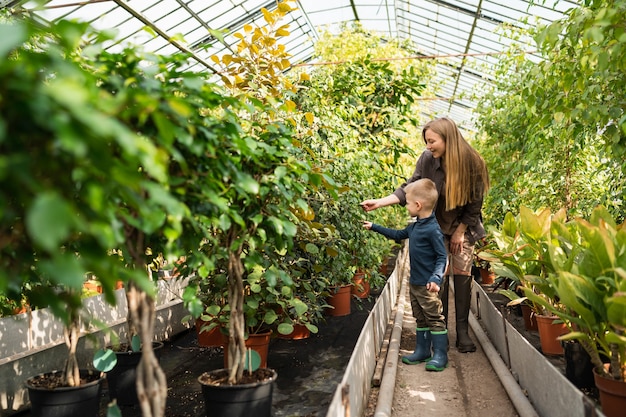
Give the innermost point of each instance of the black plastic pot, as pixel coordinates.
(578, 366)
(122, 378)
(244, 400)
(81, 401)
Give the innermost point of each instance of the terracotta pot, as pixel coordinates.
(21, 310)
(259, 342)
(300, 331)
(92, 287)
(361, 287)
(340, 301)
(548, 333)
(210, 338)
(487, 276)
(530, 321)
(384, 267)
(612, 394)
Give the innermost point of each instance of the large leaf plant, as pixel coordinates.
(588, 258)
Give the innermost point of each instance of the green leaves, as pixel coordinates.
(12, 37)
(104, 360)
(50, 220)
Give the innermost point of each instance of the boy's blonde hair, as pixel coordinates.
(423, 190)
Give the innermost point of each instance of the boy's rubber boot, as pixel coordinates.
(439, 361)
(422, 348)
(462, 298)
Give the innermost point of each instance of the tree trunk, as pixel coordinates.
(236, 324)
(151, 380)
(72, 333)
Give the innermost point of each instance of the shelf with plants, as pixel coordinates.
(579, 282)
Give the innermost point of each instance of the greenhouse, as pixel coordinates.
(305, 208)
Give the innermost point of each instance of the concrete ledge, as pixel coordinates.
(548, 390)
(352, 394)
(32, 343)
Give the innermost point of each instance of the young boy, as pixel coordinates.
(427, 255)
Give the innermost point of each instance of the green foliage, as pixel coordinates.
(555, 123)
(583, 260)
(363, 117)
(104, 360)
(521, 253)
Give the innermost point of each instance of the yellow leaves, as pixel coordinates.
(269, 17)
(247, 28)
(285, 63)
(310, 118)
(558, 117)
(256, 35)
(180, 107)
(282, 32)
(305, 77)
(291, 106)
(226, 81)
(284, 7)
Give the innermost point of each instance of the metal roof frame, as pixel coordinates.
(459, 33)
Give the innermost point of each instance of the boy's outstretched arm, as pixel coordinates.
(367, 225)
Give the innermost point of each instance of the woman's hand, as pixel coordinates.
(457, 240)
(369, 205)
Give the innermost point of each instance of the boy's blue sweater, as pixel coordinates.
(427, 252)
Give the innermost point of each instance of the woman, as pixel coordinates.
(462, 180)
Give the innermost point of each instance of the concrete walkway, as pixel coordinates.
(474, 384)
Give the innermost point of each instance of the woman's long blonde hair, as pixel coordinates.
(467, 178)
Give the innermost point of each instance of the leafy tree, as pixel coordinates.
(364, 129)
(554, 123)
(67, 164)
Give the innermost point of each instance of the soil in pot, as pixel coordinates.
(251, 397)
(50, 398)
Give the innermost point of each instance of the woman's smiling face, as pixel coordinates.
(435, 143)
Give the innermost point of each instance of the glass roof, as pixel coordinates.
(459, 33)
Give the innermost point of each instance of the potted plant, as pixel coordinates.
(482, 265)
(254, 183)
(522, 253)
(58, 190)
(588, 258)
(103, 204)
